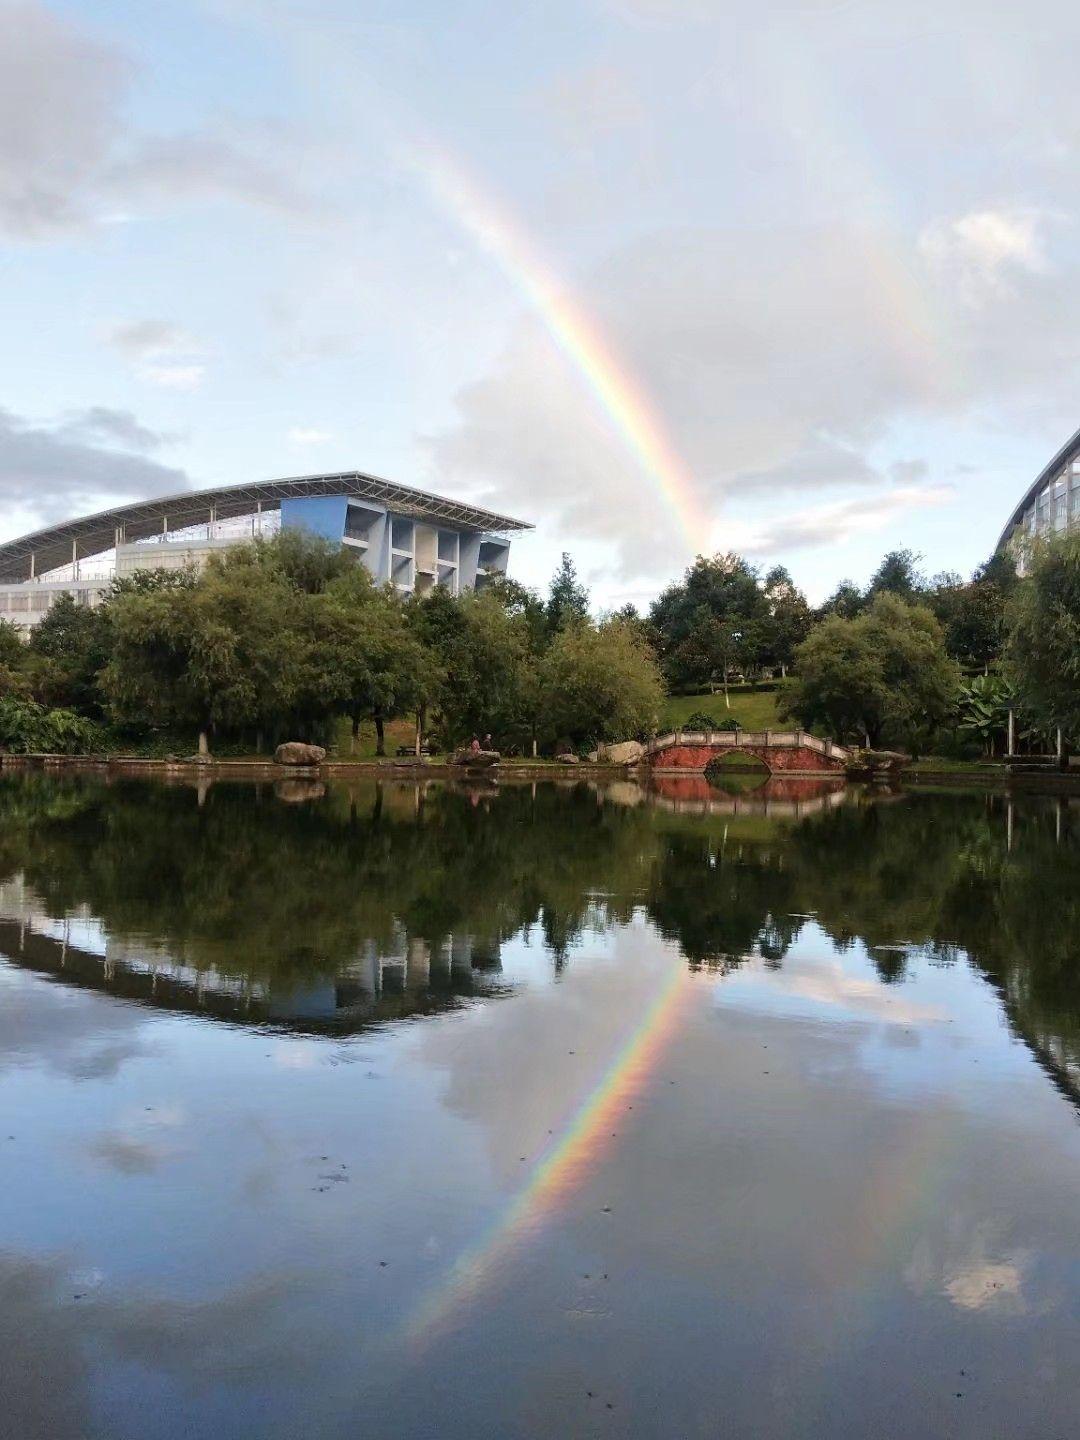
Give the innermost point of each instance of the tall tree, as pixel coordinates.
(787, 622)
(710, 621)
(568, 599)
(898, 574)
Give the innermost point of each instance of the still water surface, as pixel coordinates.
(541, 1111)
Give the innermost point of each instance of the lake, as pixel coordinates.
(409, 1110)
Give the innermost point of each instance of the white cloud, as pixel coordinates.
(69, 157)
(598, 100)
(59, 117)
(303, 435)
(663, 12)
(161, 353)
(173, 377)
(835, 522)
(983, 250)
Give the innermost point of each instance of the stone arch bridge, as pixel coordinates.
(790, 752)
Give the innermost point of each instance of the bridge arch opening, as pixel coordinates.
(737, 767)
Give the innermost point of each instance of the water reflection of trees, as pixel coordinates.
(273, 899)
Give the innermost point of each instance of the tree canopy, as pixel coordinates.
(1042, 654)
(884, 675)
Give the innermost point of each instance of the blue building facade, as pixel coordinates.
(412, 551)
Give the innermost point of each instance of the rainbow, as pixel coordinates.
(564, 1164)
(620, 395)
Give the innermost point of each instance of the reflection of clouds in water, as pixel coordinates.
(984, 1285)
(127, 1154)
(64, 1030)
(831, 985)
(134, 1146)
(823, 984)
(49, 1340)
(518, 1078)
(296, 1055)
(973, 1269)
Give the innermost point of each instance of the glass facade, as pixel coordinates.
(1052, 508)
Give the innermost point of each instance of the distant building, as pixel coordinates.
(1051, 503)
(404, 537)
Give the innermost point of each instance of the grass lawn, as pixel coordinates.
(754, 710)
(932, 764)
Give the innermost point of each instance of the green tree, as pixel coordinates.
(568, 599)
(482, 657)
(73, 642)
(898, 574)
(308, 561)
(787, 622)
(223, 653)
(846, 601)
(13, 661)
(973, 614)
(382, 667)
(712, 621)
(884, 676)
(518, 599)
(1042, 652)
(600, 682)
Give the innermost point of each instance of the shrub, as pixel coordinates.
(701, 723)
(29, 728)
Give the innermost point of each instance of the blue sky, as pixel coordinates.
(833, 246)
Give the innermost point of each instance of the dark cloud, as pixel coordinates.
(101, 425)
(48, 473)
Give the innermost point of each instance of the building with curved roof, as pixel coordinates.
(1051, 502)
(409, 538)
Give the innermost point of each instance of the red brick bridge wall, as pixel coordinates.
(778, 758)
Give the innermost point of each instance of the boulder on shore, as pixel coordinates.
(293, 752)
(477, 759)
(566, 758)
(626, 752)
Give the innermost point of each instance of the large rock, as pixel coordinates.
(477, 759)
(626, 752)
(566, 758)
(295, 753)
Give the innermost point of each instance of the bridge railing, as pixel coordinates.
(749, 739)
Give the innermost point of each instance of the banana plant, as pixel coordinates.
(984, 703)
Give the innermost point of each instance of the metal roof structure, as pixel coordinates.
(1069, 452)
(90, 535)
